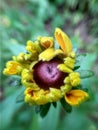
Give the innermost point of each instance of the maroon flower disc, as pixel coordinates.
(46, 74)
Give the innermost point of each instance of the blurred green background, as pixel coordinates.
(22, 20)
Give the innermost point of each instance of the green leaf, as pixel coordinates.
(44, 109)
(65, 105)
(86, 73)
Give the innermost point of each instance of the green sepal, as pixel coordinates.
(80, 86)
(65, 105)
(85, 89)
(76, 67)
(86, 73)
(44, 109)
(54, 104)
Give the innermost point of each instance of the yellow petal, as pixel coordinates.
(64, 68)
(67, 80)
(30, 47)
(36, 97)
(46, 42)
(75, 97)
(58, 52)
(33, 47)
(49, 54)
(63, 41)
(19, 58)
(27, 80)
(69, 62)
(31, 57)
(32, 65)
(74, 78)
(65, 88)
(72, 54)
(55, 94)
(12, 68)
(29, 96)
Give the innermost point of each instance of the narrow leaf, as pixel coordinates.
(86, 73)
(65, 105)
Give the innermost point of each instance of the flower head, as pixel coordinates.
(48, 73)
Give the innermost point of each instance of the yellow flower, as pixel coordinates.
(48, 73)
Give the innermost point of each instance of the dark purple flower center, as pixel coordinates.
(46, 74)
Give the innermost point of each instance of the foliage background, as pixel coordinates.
(25, 19)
